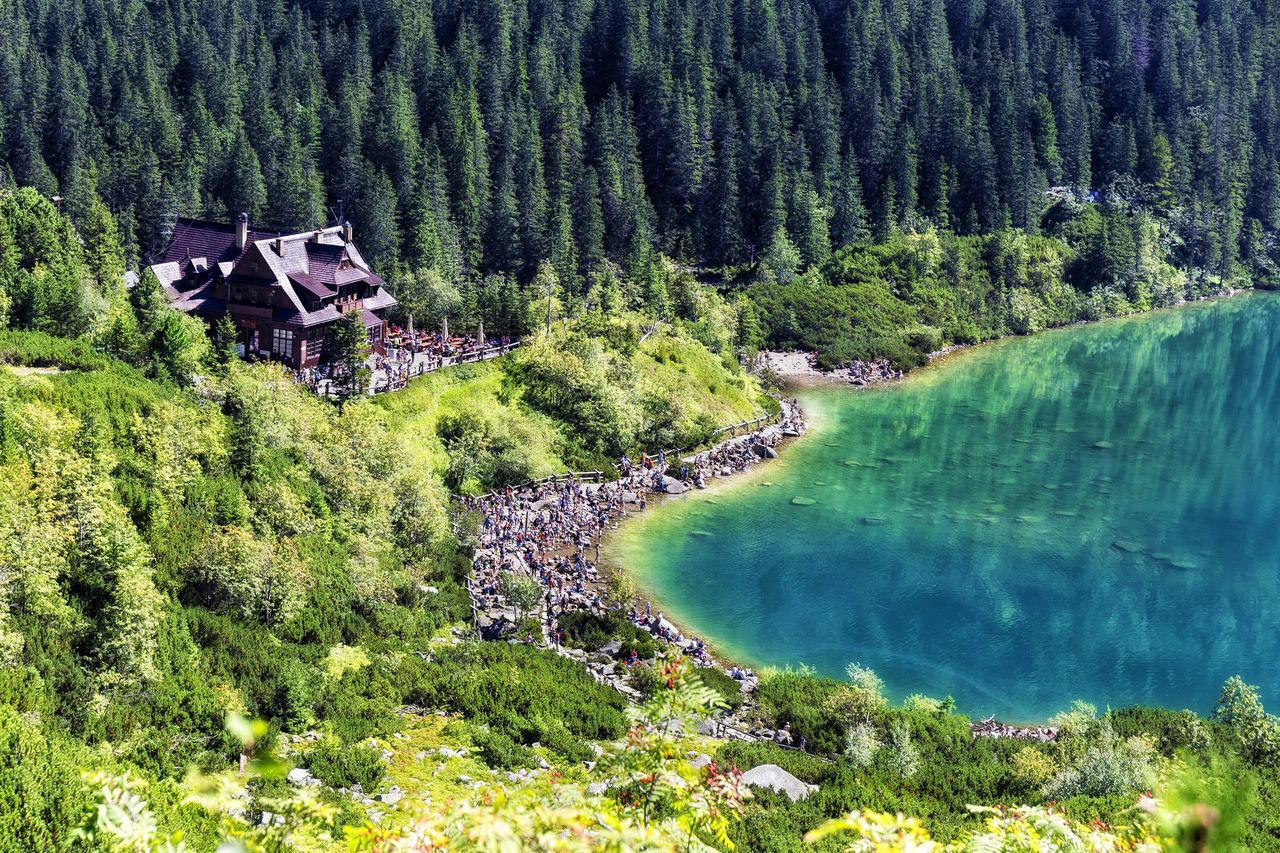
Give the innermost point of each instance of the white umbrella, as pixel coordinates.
(480, 335)
(411, 325)
(446, 328)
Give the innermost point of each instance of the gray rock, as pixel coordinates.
(597, 789)
(612, 647)
(302, 778)
(764, 451)
(672, 486)
(700, 761)
(391, 797)
(775, 778)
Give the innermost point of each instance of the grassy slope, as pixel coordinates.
(669, 362)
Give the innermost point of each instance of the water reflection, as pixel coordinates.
(1086, 513)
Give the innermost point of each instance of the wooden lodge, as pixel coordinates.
(283, 291)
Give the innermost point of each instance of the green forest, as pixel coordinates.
(1123, 148)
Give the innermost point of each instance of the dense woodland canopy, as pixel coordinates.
(476, 137)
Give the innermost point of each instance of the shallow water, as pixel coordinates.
(1088, 513)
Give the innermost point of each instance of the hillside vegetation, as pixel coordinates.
(201, 564)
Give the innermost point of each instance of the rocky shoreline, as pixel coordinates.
(800, 368)
(551, 532)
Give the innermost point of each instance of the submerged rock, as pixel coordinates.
(802, 501)
(1128, 546)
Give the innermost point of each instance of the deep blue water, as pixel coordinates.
(1088, 513)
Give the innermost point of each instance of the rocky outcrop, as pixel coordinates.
(773, 777)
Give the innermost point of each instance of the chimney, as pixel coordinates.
(242, 231)
(346, 230)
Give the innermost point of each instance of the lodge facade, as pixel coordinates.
(283, 291)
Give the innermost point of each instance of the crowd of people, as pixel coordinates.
(736, 455)
(551, 531)
(410, 355)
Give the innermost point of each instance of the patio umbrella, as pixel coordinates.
(480, 335)
(446, 328)
(410, 325)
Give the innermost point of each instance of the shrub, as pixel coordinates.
(1032, 767)
(801, 699)
(499, 750)
(529, 694)
(644, 679)
(1109, 767)
(730, 690)
(343, 766)
(590, 631)
(37, 349)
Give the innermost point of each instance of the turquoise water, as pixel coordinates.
(1089, 513)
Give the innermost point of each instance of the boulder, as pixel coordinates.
(302, 778)
(764, 451)
(775, 778)
(700, 761)
(597, 789)
(672, 486)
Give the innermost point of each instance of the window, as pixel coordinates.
(282, 342)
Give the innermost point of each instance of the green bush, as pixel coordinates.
(41, 792)
(644, 679)
(531, 695)
(730, 690)
(344, 766)
(37, 349)
(801, 700)
(499, 750)
(586, 630)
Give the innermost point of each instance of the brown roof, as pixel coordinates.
(306, 268)
(215, 241)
